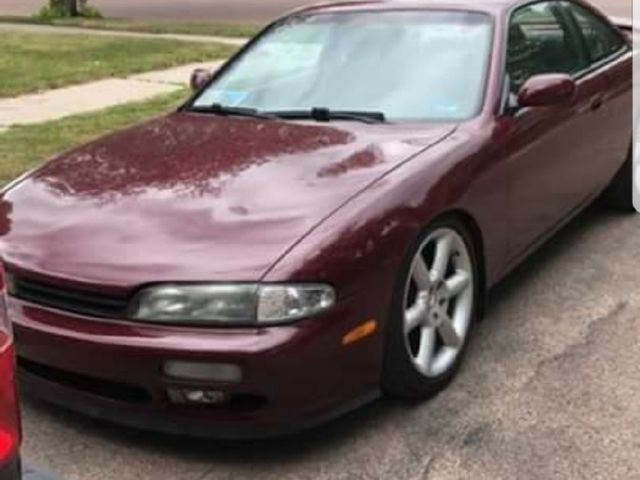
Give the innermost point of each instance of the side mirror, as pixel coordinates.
(547, 90)
(199, 78)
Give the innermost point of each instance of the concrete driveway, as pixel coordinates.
(549, 391)
(213, 10)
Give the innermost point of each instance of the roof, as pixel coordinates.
(489, 6)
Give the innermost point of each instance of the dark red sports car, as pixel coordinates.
(321, 221)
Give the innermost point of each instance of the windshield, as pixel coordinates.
(427, 65)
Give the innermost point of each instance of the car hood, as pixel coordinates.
(193, 197)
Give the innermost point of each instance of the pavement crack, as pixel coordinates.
(571, 349)
(206, 474)
(426, 469)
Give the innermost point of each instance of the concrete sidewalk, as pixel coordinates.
(49, 29)
(63, 102)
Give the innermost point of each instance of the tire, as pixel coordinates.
(408, 373)
(619, 193)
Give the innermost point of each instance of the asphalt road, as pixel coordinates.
(549, 391)
(214, 10)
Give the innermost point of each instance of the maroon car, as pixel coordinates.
(319, 224)
(9, 419)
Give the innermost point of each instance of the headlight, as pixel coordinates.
(281, 303)
(246, 304)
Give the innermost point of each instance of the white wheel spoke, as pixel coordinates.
(420, 273)
(448, 333)
(426, 348)
(456, 284)
(414, 317)
(442, 256)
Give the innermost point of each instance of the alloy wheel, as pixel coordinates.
(438, 302)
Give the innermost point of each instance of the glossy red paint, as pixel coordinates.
(174, 187)
(190, 197)
(547, 91)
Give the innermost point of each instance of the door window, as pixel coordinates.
(540, 42)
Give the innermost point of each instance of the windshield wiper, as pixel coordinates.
(219, 109)
(326, 115)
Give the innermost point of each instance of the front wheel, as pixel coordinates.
(433, 312)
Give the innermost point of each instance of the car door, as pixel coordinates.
(610, 55)
(547, 148)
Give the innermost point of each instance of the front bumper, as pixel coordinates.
(294, 376)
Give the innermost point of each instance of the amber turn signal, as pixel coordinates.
(365, 330)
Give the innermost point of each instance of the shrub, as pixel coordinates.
(61, 9)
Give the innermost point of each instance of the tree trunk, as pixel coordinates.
(71, 6)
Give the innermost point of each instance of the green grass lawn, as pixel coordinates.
(32, 62)
(145, 26)
(25, 147)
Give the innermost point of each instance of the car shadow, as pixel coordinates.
(341, 431)
(272, 450)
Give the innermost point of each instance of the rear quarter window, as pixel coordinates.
(602, 40)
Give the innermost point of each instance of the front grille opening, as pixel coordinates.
(244, 402)
(232, 402)
(83, 302)
(103, 388)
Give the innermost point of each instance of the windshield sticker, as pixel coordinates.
(446, 108)
(232, 97)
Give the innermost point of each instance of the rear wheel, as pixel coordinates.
(433, 312)
(619, 194)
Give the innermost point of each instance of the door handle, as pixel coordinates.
(597, 103)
